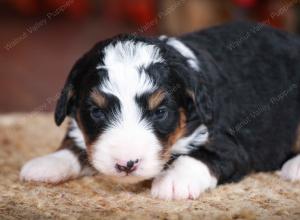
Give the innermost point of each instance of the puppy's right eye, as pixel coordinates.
(96, 113)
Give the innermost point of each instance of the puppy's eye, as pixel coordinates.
(96, 113)
(161, 113)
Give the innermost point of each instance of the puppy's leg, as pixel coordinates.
(220, 160)
(69, 161)
(186, 178)
(291, 169)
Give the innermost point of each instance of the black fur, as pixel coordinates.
(250, 131)
(246, 93)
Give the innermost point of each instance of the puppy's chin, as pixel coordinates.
(148, 169)
(129, 178)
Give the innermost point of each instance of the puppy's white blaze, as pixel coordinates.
(186, 178)
(123, 61)
(198, 137)
(52, 168)
(126, 82)
(185, 51)
(128, 138)
(291, 169)
(76, 135)
(131, 53)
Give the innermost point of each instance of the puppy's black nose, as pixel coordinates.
(130, 164)
(128, 168)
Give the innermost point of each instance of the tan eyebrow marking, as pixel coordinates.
(98, 98)
(156, 98)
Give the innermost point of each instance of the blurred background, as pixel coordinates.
(41, 39)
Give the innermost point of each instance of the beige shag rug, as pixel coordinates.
(24, 136)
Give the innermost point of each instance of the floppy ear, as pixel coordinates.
(202, 97)
(198, 86)
(66, 102)
(198, 91)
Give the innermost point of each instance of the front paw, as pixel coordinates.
(52, 168)
(186, 179)
(291, 169)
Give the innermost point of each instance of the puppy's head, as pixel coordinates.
(130, 104)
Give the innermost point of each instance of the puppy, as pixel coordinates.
(188, 112)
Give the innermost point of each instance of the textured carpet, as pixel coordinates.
(259, 196)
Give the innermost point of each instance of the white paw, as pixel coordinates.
(291, 169)
(52, 168)
(186, 179)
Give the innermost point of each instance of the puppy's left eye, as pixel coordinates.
(161, 113)
(96, 113)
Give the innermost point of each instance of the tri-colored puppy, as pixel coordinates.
(190, 112)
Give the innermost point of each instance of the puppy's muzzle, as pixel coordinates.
(127, 167)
